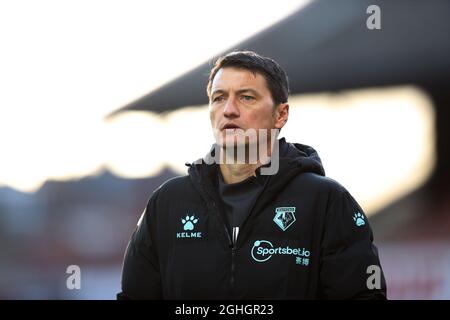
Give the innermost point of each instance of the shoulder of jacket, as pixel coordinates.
(319, 181)
(173, 187)
(174, 184)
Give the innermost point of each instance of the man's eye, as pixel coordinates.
(218, 99)
(248, 98)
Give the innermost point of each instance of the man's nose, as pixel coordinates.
(231, 109)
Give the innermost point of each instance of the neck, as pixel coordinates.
(234, 173)
(237, 172)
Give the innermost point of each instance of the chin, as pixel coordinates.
(233, 142)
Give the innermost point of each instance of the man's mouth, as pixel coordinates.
(230, 126)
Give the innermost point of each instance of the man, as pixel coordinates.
(245, 227)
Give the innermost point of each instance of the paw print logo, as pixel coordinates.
(359, 219)
(189, 222)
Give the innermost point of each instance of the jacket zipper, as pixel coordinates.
(231, 244)
(233, 252)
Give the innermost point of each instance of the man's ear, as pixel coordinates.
(281, 115)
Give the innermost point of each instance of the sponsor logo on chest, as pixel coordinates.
(189, 223)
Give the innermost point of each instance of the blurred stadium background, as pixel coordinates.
(100, 102)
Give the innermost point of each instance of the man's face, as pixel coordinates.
(241, 99)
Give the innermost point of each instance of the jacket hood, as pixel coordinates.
(292, 155)
(294, 159)
(300, 158)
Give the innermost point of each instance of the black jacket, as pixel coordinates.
(305, 238)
